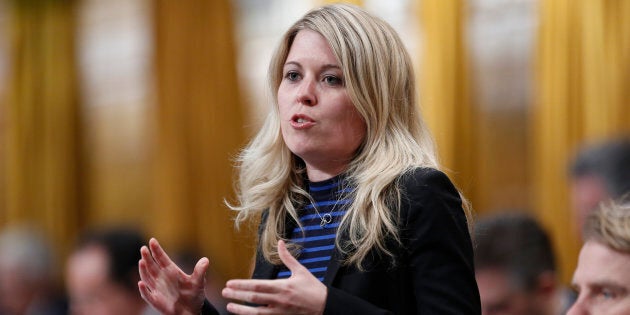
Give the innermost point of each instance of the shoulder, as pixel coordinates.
(422, 180)
(427, 195)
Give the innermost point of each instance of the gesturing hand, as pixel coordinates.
(166, 287)
(301, 293)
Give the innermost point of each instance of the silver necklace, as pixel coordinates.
(327, 217)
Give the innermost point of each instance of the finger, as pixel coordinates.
(145, 275)
(240, 309)
(159, 254)
(288, 259)
(150, 263)
(144, 290)
(254, 285)
(149, 297)
(200, 270)
(250, 296)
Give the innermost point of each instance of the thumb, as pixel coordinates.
(288, 259)
(200, 270)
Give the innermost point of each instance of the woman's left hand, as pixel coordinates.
(301, 293)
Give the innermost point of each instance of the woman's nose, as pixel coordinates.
(307, 94)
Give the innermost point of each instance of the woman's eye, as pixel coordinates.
(292, 76)
(333, 80)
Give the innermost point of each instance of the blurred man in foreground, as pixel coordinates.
(602, 277)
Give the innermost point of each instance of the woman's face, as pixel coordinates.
(318, 121)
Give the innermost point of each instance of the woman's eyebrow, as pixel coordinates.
(330, 66)
(323, 67)
(292, 63)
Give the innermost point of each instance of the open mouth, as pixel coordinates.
(301, 121)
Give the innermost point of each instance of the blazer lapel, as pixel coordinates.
(333, 267)
(335, 262)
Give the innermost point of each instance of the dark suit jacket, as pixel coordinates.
(433, 272)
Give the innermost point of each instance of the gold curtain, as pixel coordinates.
(41, 168)
(583, 75)
(199, 131)
(445, 89)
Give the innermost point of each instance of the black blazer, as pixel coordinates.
(433, 271)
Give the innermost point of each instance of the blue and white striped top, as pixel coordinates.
(317, 241)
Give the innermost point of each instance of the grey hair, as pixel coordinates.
(25, 250)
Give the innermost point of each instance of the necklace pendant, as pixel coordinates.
(327, 218)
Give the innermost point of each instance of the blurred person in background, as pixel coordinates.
(602, 277)
(599, 172)
(27, 274)
(102, 274)
(515, 267)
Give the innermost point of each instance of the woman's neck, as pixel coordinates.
(318, 174)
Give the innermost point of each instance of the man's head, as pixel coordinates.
(515, 266)
(102, 273)
(599, 172)
(602, 277)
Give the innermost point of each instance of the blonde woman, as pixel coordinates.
(356, 216)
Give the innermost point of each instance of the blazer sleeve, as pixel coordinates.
(208, 309)
(341, 302)
(438, 247)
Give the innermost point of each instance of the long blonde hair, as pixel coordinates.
(380, 82)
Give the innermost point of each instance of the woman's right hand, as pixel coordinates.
(166, 287)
